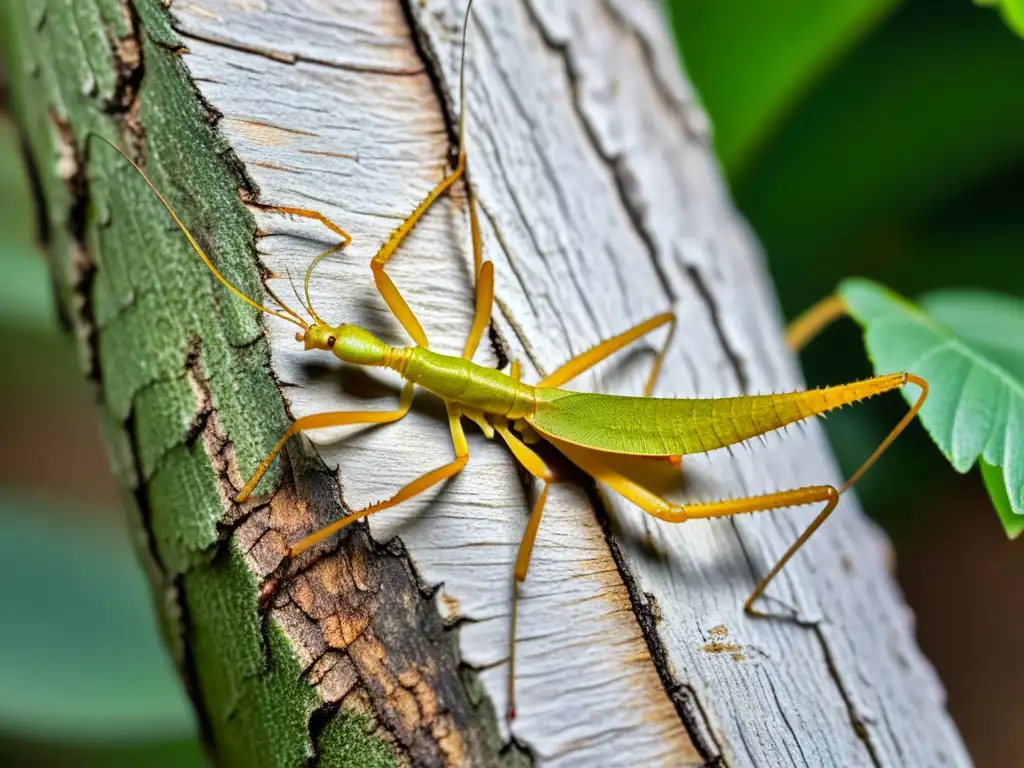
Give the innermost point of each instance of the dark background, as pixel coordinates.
(860, 137)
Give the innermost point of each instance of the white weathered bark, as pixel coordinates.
(601, 205)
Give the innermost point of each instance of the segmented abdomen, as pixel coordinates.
(647, 426)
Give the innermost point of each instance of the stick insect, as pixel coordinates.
(587, 428)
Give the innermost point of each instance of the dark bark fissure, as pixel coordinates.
(684, 699)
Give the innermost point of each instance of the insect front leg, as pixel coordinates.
(315, 216)
(385, 286)
(320, 421)
(419, 485)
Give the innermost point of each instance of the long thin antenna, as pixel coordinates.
(195, 246)
(474, 220)
(309, 273)
(295, 291)
(462, 79)
(283, 306)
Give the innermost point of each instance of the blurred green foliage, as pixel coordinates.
(85, 675)
(860, 137)
(92, 667)
(1012, 11)
(752, 67)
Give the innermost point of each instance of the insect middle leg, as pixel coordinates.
(419, 485)
(321, 421)
(587, 360)
(537, 467)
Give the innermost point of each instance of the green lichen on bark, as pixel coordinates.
(344, 744)
(144, 309)
(181, 369)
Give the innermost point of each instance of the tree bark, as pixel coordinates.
(601, 205)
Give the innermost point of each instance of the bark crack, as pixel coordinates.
(735, 361)
(684, 698)
(859, 727)
(289, 57)
(624, 183)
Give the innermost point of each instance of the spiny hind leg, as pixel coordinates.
(308, 214)
(320, 421)
(806, 495)
(587, 360)
(537, 467)
(655, 505)
(422, 483)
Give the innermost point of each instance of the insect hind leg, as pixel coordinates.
(659, 507)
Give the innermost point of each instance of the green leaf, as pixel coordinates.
(751, 65)
(995, 484)
(969, 346)
(1012, 12)
(82, 660)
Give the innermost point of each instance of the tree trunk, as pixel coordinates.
(601, 205)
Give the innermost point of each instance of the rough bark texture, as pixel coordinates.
(601, 205)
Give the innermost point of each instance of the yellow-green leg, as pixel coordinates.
(321, 421)
(583, 362)
(408, 491)
(536, 466)
(314, 215)
(813, 321)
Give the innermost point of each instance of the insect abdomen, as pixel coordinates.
(663, 427)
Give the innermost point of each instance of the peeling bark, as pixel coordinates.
(601, 205)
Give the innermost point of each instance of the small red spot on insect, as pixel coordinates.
(512, 712)
(331, 341)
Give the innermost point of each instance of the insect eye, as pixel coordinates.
(330, 342)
